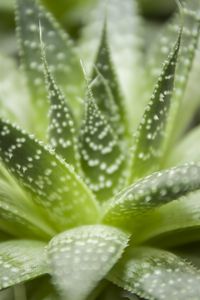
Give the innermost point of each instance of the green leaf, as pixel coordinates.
(173, 224)
(150, 193)
(103, 161)
(60, 54)
(62, 131)
(106, 90)
(190, 36)
(126, 55)
(21, 261)
(186, 149)
(151, 135)
(19, 216)
(53, 183)
(156, 274)
(81, 257)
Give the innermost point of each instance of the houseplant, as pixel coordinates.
(88, 203)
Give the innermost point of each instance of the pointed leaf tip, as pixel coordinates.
(60, 53)
(62, 130)
(103, 161)
(106, 89)
(151, 135)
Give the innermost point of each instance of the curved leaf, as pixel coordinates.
(174, 224)
(80, 258)
(151, 135)
(55, 185)
(20, 261)
(151, 192)
(156, 274)
(102, 159)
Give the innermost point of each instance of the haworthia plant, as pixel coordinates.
(83, 202)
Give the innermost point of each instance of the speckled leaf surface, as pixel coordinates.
(103, 161)
(62, 129)
(171, 225)
(59, 50)
(157, 274)
(151, 192)
(54, 184)
(191, 24)
(80, 258)
(106, 89)
(20, 261)
(149, 139)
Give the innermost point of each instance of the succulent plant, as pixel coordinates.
(98, 184)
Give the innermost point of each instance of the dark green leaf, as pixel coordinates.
(106, 90)
(151, 135)
(60, 55)
(54, 184)
(62, 131)
(126, 55)
(191, 24)
(102, 159)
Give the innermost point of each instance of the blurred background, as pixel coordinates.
(72, 14)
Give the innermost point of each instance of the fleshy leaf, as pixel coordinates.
(151, 192)
(151, 134)
(156, 274)
(174, 224)
(21, 261)
(54, 184)
(60, 54)
(102, 159)
(126, 55)
(62, 131)
(191, 24)
(18, 215)
(186, 149)
(106, 89)
(81, 257)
